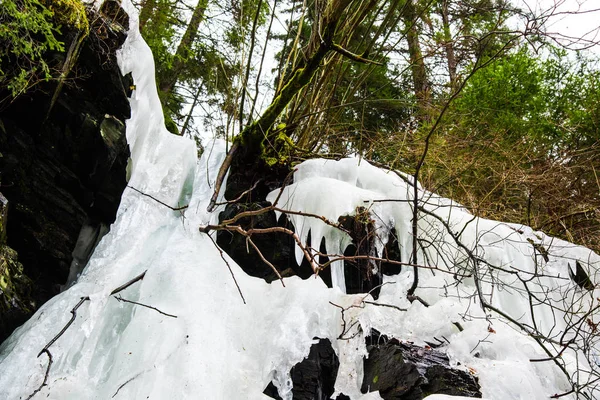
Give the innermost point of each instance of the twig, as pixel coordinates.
(119, 298)
(384, 305)
(344, 330)
(252, 213)
(262, 257)
(566, 346)
(340, 257)
(245, 192)
(124, 383)
(309, 257)
(80, 303)
(480, 341)
(221, 175)
(413, 297)
(355, 57)
(157, 200)
(557, 396)
(129, 283)
(68, 324)
(45, 375)
(229, 267)
(305, 214)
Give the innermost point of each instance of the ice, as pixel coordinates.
(501, 264)
(221, 346)
(445, 397)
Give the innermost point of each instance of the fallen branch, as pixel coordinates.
(119, 298)
(247, 233)
(82, 300)
(45, 375)
(384, 305)
(157, 200)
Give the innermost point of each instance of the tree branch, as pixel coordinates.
(46, 348)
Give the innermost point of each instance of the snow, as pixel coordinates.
(445, 397)
(221, 347)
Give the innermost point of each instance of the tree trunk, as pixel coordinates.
(448, 43)
(419, 72)
(146, 12)
(249, 143)
(183, 50)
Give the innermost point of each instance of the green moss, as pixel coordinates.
(279, 150)
(29, 29)
(171, 125)
(14, 284)
(70, 13)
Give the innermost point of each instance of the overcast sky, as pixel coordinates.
(571, 19)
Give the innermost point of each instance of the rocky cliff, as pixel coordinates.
(63, 168)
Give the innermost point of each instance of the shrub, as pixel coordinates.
(28, 30)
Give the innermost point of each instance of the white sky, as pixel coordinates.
(571, 20)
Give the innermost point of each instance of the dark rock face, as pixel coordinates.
(63, 164)
(15, 298)
(399, 371)
(403, 371)
(278, 247)
(314, 377)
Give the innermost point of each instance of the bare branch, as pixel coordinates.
(119, 298)
(355, 57)
(157, 200)
(228, 266)
(46, 348)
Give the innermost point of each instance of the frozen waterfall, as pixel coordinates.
(220, 347)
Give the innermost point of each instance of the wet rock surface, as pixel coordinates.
(63, 163)
(276, 247)
(314, 377)
(404, 371)
(15, 287)
(398, 370)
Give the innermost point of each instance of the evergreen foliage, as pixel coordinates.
(521, 144)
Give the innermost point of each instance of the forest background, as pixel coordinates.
(479, 99)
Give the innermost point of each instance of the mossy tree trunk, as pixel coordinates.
(250, 143)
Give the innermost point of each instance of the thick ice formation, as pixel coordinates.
(220, 347)
(517, 272)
